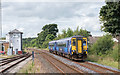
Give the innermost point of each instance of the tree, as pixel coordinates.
(51, 29)
(49, 33)
(84, 33)
(29, 42)
(45, 44)
(69, 32)
(103, 45)
(110, 17)
(76, 32)
(64, 33)
(49, 37)
(41, 38)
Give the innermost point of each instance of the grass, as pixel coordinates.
(6, 56)
(31, 67)
(103, 60)
(43, 49)
(28, 68)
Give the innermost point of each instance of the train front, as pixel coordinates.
(79, 47)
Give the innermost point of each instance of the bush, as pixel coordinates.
(103, 45)
(114, 53)
(45, 44)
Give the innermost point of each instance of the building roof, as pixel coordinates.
(15, 31)
(93, 39)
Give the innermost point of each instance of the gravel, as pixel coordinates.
(46, 67)
(1, 58)
(81, 67)
(73, 64)
(105, 66)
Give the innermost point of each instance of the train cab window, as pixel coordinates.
(84, 42)
(74, 42)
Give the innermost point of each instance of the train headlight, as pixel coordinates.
(73, 50)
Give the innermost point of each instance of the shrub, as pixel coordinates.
(114, 53)
(45, 44)
(103, 45)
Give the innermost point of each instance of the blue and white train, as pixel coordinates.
(75, 47)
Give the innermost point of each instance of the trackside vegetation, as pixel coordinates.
(104, 51)
(110, 17)
(103, 45)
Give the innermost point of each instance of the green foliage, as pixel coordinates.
(103, 45)
(51, 29)
(41, 38)
(3, 38)
(45, 44)
(114, 53)
(49, 33)
(29, 42)
(76, 32)
(69, 32)
(64, 33)
(110, 17)
(84, 33)
(49, 37)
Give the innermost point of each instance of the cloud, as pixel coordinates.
(53, 0)
(30, 17)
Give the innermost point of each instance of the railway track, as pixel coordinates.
(88, 65)
(6, 64)
(62, 67)
(94, 67)
(97, 68)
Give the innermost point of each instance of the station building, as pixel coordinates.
(13, 41)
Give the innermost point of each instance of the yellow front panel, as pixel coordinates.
(79, 46)
(73, 47)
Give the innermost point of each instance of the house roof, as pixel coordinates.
(93, 39)
(15, 31)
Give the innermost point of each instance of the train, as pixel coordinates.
(75, 47)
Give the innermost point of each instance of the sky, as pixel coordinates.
(30, 16)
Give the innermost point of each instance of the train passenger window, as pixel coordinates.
(62, 44)
(74, 42)
(84, 43)
(51, 44)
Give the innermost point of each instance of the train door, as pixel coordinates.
(55, 46)
(68, 45)
(79, 46)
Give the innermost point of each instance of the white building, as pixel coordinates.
(15, 40)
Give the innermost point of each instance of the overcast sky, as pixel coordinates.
(30, 17)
